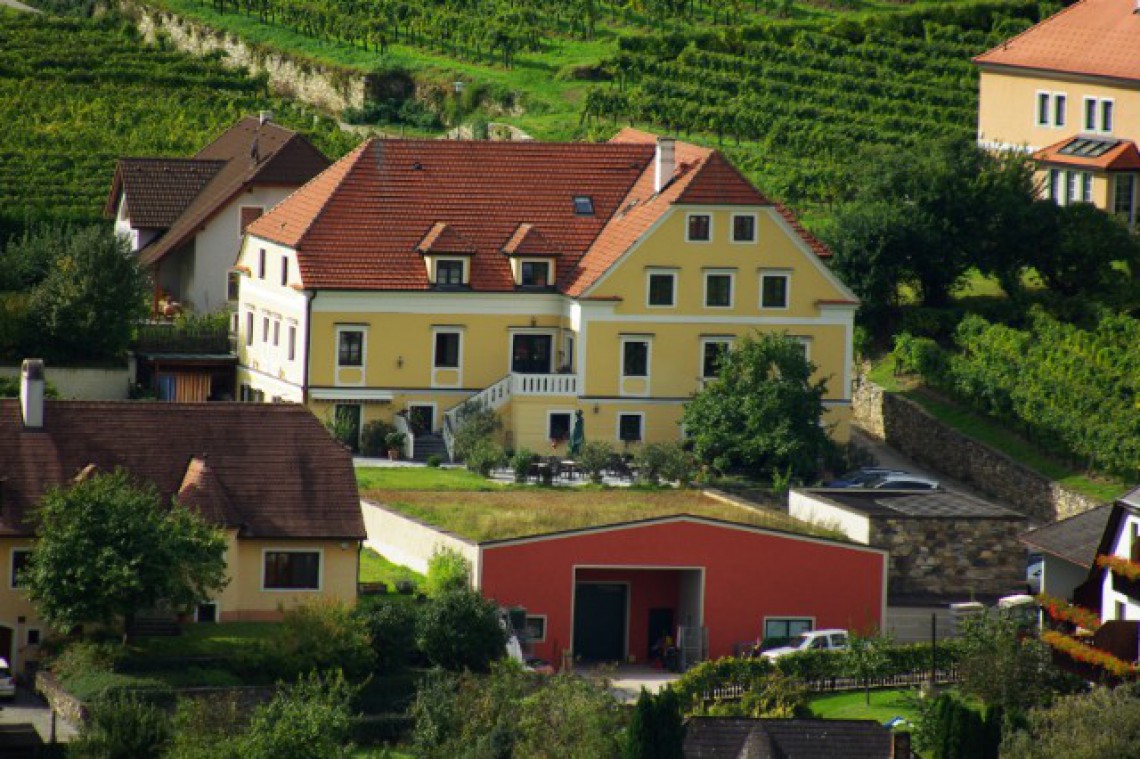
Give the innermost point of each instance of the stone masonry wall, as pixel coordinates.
(905, 425)
(952, 557)
(326, 87)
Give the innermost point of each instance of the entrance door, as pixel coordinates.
(6, 645)
(421, 419)
(660, 625)
(599, 621)
(531, 354)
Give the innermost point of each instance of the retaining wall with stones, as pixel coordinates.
(906, 426)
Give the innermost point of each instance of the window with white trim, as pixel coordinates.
(350, 347)
(635, 358)
(292, 342)
(558, 425)
(449, 272)
(17, 565)
(1060, 103)
(284, 271)
(1044, 101)
(249, 328)
(718, 289)
(774, 289)
(276, 332)
(265, 329)
(1124, 197)
(534, 630)
(698, 227)
(662, 287)
(534, 273)
(713, 351)
(1067, 187)
(292, 570)
(1099, 114)
(261, 264)
(630, 427)
(446, 354)
(1050, 109)
(744, 227)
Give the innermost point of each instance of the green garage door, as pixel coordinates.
(599, 621)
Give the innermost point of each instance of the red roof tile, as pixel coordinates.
(444, 238)
(158, 190)
(528, 241)
(270, 470)
(1094, 37)
(1121, 156)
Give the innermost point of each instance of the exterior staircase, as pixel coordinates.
(428, 445)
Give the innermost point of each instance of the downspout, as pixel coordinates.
(310, 296)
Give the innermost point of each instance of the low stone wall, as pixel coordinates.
(410, 542)
(333, 89)
(947, 557)
(61, 702)
(905, 425)
(84, 383)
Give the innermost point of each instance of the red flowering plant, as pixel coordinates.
(1120, 565)
(1063, 611)
(1078, 651)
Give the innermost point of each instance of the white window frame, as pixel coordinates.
(291, 346)
(1046, 98)
(545, 626)
(551, 275)
(1059, 109)
(786, 274)
(689, 215)
(648, 357)
(641, 426)
(277, 332)
(435, 332)
(805, 341)
(705, 341)
(1087, 124)
(341, 328)
(649, 275)
(755, 228)
(1107, 116)
(249, 319)
(284, 271)
(12, 566)
(217, 609)
(568, 413)
(1086, 186)
(464, 276)
(731, 274)
(320, 569)
(262, 263)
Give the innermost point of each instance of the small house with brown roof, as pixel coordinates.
(1066, 91)
(185, 216)
(539, 279)
(269, 475)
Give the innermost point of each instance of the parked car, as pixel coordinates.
(856, 477)
(7, 683)
(813, 640)
(900, 481)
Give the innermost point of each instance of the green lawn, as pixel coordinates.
(885, 705)
(375, 568)
(421, 478)
(208, 640)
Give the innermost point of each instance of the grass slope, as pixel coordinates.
(885, 705)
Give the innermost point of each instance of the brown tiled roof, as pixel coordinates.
(746, 738)
(270, 470)
(1074, 539)
(1122, 156)
(282, 158)
(1092, 37)
(529, 241)
(444, 238)
(158, 190)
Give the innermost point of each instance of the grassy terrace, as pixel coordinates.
(477, 509)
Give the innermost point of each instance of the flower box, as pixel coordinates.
(1062, 611)
(1125, 574)
(1110, 667)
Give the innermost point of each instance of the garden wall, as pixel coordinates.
(410, 542)
(328, 87)
(84, 383)
(905, 425)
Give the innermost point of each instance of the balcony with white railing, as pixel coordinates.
(544, 384)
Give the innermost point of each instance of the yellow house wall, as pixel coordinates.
(1101, 184)
(14, 607)
(244, 598)
(1007, 108)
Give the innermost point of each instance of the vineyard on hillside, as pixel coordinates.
(75, 94)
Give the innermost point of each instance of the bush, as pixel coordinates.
(921, 356)
(374, 436)
(447, 570)
(665, 460)
(206, 728)
(433, 461)
(460, 630)
(521, 462)
(594, 457)
(405, 587)
(324, 634)
(484, 456)
(122, 727)
(83, 657)
(476, 425)
(391, 626)
(308, 719)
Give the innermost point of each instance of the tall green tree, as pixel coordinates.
(459, 629)
(1081, 248)
(763, 412)
(108, 547)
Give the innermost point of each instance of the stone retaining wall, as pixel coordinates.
(327, 87)
(61, 702)
(905, 425)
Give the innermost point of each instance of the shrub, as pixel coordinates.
(665, 460)
(405, 587)
(308, 719)
(476, 424)
(703, 678)
(434, 461)
(594, 457)
(460, 630)
(391, 625)
(447, 570)
(206, 728)
(374, 437)
(82, 657)
(521, 462)
(484, 456)
(921, 356)
(324, 634)
(122, 726)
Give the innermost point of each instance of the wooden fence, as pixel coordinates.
(911, 679)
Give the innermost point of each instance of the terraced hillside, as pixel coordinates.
(75, 94)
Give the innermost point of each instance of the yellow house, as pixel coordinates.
(541, 279)
(1068, 92)
(270, 475)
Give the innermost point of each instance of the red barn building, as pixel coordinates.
(607, 593)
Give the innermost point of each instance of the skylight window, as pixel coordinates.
(583, 205)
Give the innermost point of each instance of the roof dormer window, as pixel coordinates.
(583, 205)
(449, 272)
(535, 274)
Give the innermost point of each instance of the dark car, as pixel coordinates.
(858, 478)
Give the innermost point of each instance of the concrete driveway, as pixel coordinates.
(30, 708)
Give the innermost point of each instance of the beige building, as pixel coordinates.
(269, 475)
(1068, 92)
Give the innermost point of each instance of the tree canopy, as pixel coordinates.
(108, 547)
(762, 414)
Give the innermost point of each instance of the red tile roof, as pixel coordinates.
(245, 155)
(1093, 37)
(362, 222)
(270, 470)
(1123, 156)
(444, 238)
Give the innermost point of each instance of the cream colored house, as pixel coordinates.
(541, 279)
(269, 475)
(1068, 92)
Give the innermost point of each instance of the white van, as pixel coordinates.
(7, 684)
(813, 640)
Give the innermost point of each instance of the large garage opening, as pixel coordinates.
(622, 613)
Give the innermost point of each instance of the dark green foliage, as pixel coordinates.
(108, 546)
(1078, 250)
(656, 728)
(952, 730)
(392, 627)
(460, 630)
(1101, 723)
(640, 739)
(664, 461)
(320, 635)
(206, 728)
(594, 457)
(123, 727)
(448, 570)
(308, 719)
(1003, 667)
(374, 437)
(763, 412)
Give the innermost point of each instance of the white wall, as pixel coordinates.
(1110, 599)
(403, 540)
(84, 383)
(804, 506)
(1059, 577)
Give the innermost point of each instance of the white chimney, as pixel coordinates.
(32, 393)
(264, 117)
(665, 163)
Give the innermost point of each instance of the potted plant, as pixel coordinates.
(395, 442)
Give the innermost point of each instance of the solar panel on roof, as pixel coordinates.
(1084, 147)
